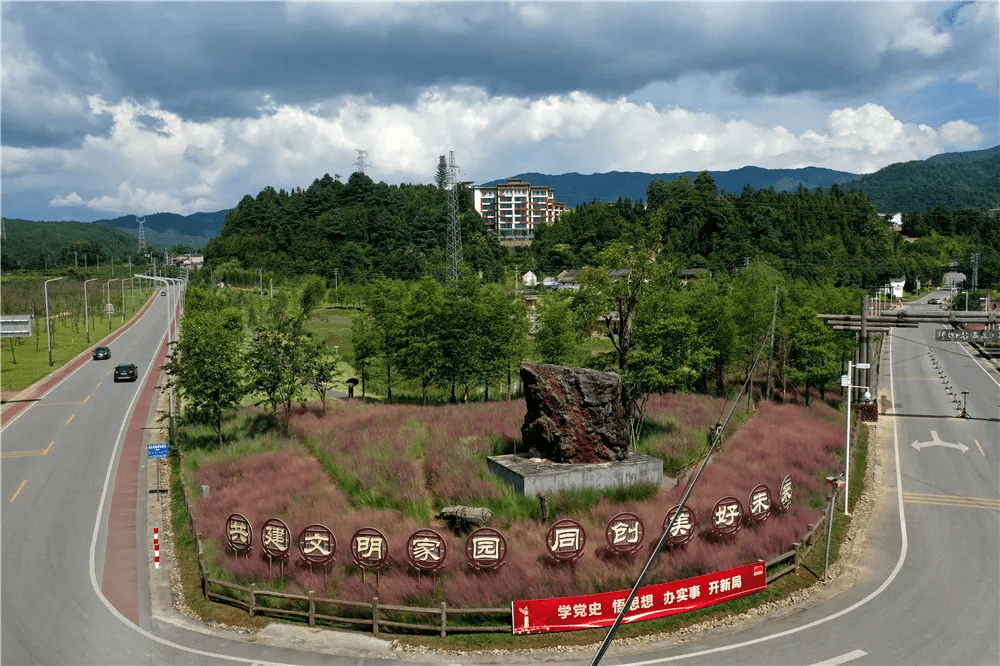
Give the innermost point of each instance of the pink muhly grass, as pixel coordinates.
(408, 451)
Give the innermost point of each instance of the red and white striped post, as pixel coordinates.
(156, 546)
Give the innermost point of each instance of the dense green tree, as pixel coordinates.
(556, 329)
(441, 175)
(422, 354)
(207, 363)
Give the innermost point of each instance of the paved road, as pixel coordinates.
(928, 591)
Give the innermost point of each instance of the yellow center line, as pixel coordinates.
(85, 400)
(18, 491)
(99, 384)
(980, 447)
(952, 500)
(28, 454)
(71, 417)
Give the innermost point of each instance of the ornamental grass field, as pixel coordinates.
(393, 467)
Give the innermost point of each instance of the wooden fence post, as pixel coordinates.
(797, 561)
(312, 607)
(444, 620)
(253, 598)
(375, 615)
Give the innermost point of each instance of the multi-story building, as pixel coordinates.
(514, 209)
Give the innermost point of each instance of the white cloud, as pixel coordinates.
(960, 134)
(185, 166)
(917, 34)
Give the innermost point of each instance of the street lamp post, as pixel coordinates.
(167, 283)
(86, 307)
(48, 329)
(109, 306)
(123, 299)
(848, 382)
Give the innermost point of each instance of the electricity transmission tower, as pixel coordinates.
(454, 233)
(360, 164)
(142, 233)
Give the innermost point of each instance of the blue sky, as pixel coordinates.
(134, 108)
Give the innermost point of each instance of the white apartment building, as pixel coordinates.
(513, 209)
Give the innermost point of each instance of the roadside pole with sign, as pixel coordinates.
(847, 381)
(156, 450)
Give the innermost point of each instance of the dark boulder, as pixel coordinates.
(574, 415)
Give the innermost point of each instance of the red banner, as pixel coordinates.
(590, 611)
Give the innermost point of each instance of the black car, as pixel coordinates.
(126, 372)
(101, 353)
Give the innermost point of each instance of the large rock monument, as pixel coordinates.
(574, 415)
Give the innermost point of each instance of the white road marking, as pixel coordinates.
(936, 441)
(842, 659)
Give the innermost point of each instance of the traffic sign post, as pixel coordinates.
(156, 450)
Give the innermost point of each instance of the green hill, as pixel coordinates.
(952, 180)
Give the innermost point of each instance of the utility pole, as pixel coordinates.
(774, 316)
(76, 261)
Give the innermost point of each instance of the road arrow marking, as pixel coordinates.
(936, 441)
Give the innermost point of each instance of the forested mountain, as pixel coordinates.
(39, 245)
(952, 180)
(574, 189)
(203, 225)
(354, 232)
(42, 245)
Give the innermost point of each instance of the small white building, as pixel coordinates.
(897, 287)
(529, 279)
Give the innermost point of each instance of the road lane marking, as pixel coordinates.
(64, 404)
(980, 447)
(18, 491)
(842, 659)
(85, 400)
(71, 417)
(936, 441)
(953, 500)
(28, 454)
(99, 384)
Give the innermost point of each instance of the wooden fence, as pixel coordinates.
(373, 614)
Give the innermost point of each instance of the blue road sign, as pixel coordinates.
(157, 449)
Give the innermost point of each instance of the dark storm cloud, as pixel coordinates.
(206, 60)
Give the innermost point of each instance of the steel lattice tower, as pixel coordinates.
(454, 232)
(142, 233)
(360, 164)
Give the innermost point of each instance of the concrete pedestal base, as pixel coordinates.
(530, 476)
